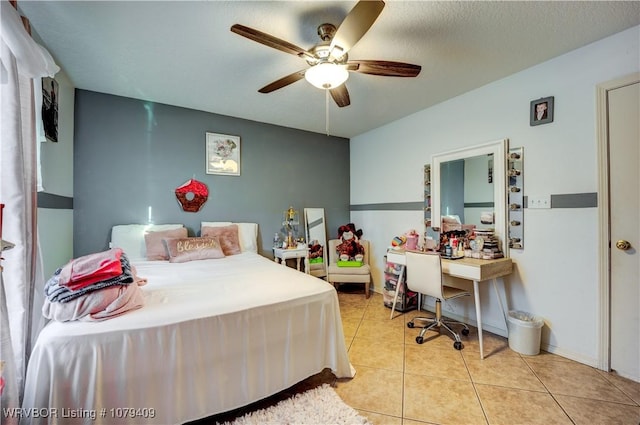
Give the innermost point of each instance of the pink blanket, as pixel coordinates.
(89, 269)
(97, 305)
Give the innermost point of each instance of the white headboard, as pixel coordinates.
(130, 237)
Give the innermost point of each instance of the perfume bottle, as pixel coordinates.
(460, 248)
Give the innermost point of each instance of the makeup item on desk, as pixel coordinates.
(447, 251)
(411, 240)
(430, 244)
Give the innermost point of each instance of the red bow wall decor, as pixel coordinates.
(192, 195)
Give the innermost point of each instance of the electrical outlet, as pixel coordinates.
(540, 201)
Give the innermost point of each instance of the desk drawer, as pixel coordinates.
(397, 258)
(464, 271)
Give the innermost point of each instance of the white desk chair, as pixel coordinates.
(424, 276)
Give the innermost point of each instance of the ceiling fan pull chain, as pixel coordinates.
(326, 109)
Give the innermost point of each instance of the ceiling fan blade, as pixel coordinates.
(385, 68)
(282, 82)
(341, 96)
(269, 40)
(354, 26)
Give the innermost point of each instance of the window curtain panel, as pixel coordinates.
(23, 61)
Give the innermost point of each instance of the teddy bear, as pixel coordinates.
(349, 248)
(316, 251)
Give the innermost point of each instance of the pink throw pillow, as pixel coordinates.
(228, 236)
(156, 250)
(182, 250)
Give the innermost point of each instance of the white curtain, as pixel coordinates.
(22, 62)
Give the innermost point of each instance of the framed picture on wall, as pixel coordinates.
(50, 108)
(541, 111)
(223, 154)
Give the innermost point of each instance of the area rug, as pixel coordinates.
(317, 406)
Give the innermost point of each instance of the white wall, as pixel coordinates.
(55, 226)
(556, 274)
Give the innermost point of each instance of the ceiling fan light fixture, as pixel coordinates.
(326, 75)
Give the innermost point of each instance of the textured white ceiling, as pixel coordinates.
(182, 52)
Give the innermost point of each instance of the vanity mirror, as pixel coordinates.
(471, 184)
(316, 234)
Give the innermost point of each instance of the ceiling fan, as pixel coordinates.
(329, 65)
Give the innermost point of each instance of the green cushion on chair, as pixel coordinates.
(349, 263)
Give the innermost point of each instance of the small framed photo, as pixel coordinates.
(223, 154)
(541, 111)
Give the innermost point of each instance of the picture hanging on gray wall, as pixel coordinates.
(541, 111)
(223, 154)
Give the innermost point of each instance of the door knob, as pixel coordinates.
(623, 245)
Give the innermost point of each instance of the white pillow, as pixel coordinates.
(247, 233)
(130, 237)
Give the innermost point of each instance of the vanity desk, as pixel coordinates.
(472, 269)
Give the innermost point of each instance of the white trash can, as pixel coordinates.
(524, 332)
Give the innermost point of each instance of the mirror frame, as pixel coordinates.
(325, 242)
(499, 149)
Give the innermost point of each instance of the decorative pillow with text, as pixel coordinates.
(182, 250)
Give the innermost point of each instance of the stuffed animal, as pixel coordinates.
(350, 248)
(315, 251)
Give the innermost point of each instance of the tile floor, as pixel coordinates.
(399, 382)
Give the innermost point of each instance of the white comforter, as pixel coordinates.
(212, 336)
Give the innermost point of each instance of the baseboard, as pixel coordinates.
(502, 331)
(589, 361)
(469, 321)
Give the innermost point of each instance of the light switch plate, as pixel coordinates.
(540, 201)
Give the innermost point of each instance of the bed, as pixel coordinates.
(213, 335)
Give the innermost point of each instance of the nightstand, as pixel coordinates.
(281, 255)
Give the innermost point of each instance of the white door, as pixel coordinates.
(624, 207)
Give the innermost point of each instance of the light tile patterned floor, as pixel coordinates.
(399, 382)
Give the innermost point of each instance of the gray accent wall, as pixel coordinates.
(130, 155)
(452, 199)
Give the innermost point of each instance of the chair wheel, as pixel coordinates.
(419, 339)
(457, 345)
(465, 332)
(410, 325)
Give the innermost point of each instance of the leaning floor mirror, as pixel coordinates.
(316, 235)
